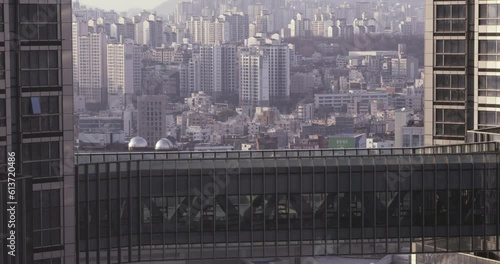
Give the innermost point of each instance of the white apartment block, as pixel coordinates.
(320, 25)
(91, 70)
(124, 68)
(299, 26)
(264, 72)
(338, 101)
(149, 32)
(79, 27)
(207, 31)
(254, 90)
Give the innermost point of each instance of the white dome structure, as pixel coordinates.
(164, 144)
(137, 142)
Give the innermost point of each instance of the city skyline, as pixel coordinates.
(247, 130)
(125, 5)
(128, 5)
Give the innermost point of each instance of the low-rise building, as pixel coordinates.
(347, 141)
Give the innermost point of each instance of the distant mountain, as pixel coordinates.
(133, 11)
(167, 7)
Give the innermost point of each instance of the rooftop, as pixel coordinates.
(486, 147)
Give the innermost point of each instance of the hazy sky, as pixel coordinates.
(122, 5)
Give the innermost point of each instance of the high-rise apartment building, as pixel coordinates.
(36, 123)
(299, 26)
(91, 63)
(122, 29)
(210, 68)
(213, 70)
(215, 32)
(124, 68)
(320, 24)
(264, 22)
(202, 30)
(149, 32)
(183, 12)
(218, 68)
(345, 11)
(253, 90)
(238, 26)
(264, 72)
(229, 58)
(79, 28)
(461, 69)
(189, 76)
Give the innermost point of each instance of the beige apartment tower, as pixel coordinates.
(462, 69)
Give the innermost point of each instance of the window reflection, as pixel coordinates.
(146, 214)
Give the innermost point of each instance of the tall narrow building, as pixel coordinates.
(238, 26)
(254, 91)
(91, 67)
(190, 76)
(79, 28)
(461, 69)
(36, 123)
(218, 69)
(124, 69)
(264, 72)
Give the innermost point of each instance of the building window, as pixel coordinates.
(40, 114)
(3, 155)
(450, 87)
(450, 53)
(450, 122)
(38, 21)
(415, 142)
(2, 19)
(489, 118)
(489, 14)
(40, 68)
(489, 50)
(48, 261)
(406, 141)
(488, 85)
(42, 159)
(2, 65)
(3, 112)
(46, 218)
(450, 18)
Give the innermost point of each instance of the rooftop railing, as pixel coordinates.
(85, 158)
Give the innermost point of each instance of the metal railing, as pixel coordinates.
(85, 158)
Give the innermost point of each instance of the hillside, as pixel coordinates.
(167, 7)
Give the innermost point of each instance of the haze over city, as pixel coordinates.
(125, 5)
(249, 132)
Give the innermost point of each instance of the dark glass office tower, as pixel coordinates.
(142, 207)
(36, 123)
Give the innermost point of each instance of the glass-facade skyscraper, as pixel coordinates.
(36, 123)
(143, 207)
